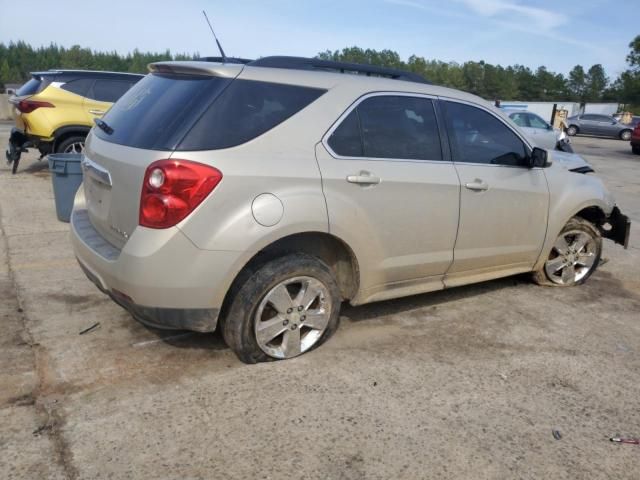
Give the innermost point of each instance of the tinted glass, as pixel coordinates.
(158, 110)
(29, 88)
(398, 127)
(536, 122)
(603, 118)
(245, 110)
(109, 90)
(479, 137)
(346, 139)
(589, 117)
(520, 119)
(79, 87)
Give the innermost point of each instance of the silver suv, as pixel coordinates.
(257, 198)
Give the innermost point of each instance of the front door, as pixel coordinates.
(503, 204)
(390, 193)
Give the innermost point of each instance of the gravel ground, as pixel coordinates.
(464, 383)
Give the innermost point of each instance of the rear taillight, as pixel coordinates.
(172, 189)
(28, 106)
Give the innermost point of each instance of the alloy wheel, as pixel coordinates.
(76, 147)
(572, 257)
(292, 317)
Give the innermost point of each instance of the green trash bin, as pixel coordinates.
(66, 176)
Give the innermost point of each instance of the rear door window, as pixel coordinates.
(79, 86)
(520, 119)
(106, 90)
(390, 126)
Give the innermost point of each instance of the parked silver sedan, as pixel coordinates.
(541, 132)
(594, 124)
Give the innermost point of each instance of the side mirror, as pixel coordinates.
(538, 158)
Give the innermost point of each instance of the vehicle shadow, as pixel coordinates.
(35, 167)
(214, 341)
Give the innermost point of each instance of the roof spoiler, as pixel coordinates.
(227, 70)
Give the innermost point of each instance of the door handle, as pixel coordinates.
(363, 178)
(96, 112)
(477, 185)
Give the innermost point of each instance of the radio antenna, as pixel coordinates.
(224, 57)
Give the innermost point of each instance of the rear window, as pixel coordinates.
(194, 112)
(157, 112)
(30, 88)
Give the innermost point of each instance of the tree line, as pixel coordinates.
(18, 59)
(515, 82)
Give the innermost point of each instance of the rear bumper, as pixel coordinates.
(159, 276)
(19, 142)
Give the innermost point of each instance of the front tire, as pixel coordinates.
(625, 135)
(287, 307)
(572, 131)
(574, 257)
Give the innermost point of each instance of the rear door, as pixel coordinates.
(589, 124)
(392, 192)
(503, 204)
(605, 125)
(103, 93)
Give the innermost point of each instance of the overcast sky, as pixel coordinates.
(558, 34)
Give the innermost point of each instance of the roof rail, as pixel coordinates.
(242, 61)
(301, 63)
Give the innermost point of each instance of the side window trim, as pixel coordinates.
(528, 146)
(446, 154)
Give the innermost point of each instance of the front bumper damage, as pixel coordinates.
(617, 228)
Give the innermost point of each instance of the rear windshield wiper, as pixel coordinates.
(102, 125)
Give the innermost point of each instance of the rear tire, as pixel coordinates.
(574, 256)
(625, 135)
(572, 131)
(287, 307)
(73, 144)
(636, 150)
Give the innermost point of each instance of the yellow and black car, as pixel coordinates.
(55, 110)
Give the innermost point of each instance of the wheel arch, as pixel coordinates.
(328, 248)
(62, 133)
(593, 211)
(622, 132)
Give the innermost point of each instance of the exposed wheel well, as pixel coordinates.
(331, 250)
(595, 215)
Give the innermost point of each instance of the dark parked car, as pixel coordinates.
(635, 140)
(594, 124)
